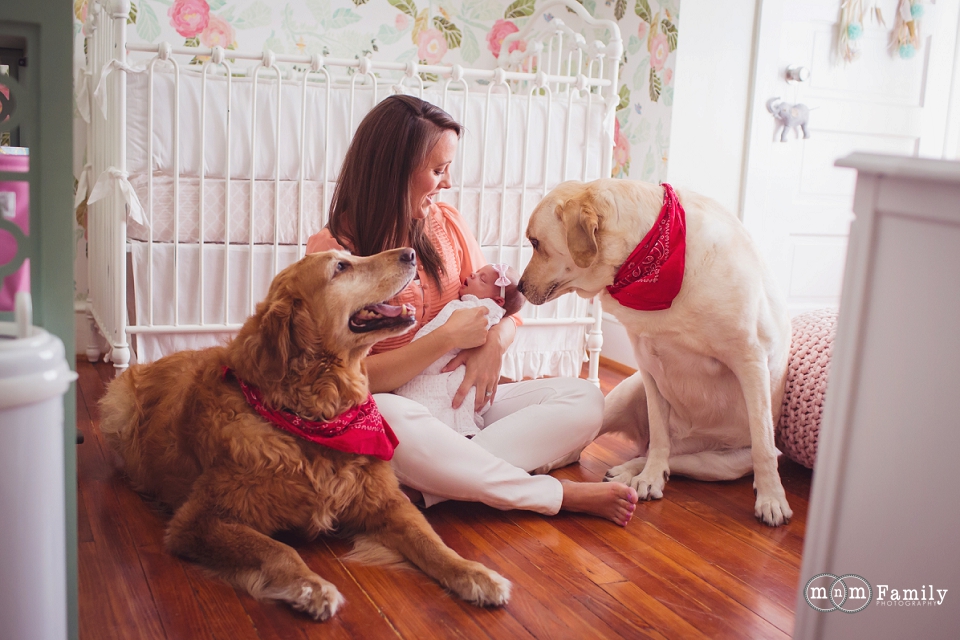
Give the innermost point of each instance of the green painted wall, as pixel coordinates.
(45, 126)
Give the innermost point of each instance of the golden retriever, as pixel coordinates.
(712, 366)
(186, 434)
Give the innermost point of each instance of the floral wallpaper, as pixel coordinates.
(468, 32)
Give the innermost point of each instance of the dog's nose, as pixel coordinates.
(520, 286)
(408, 255)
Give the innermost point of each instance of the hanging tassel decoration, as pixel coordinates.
(905, 38)
(850, 30)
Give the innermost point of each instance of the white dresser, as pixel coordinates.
(885, 502)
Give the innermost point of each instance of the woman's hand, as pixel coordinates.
(483, 372)
(483, 365)
(467, 328)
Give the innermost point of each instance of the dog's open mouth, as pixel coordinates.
(374, 317)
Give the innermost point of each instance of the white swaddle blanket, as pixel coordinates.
(435, 390)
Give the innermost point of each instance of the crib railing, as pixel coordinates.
(557, 66)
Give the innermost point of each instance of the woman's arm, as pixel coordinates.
(465, 329)
(483, 364)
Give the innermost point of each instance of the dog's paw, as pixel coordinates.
(649, 484)
(625, 472)
(317, 598)
(772, 509)
(480, 586)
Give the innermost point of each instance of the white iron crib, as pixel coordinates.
(206, 177)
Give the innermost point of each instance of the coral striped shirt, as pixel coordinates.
(461, 256)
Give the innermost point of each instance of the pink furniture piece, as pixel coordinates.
(15, 208)
(799, 429)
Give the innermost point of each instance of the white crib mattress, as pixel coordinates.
(160, 195)
(502, 220)
(565, 133)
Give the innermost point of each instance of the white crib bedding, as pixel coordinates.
(159, 197)
(554, 350)
(553, 138)
(158, 202)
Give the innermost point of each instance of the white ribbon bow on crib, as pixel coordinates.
(108, 68)
(117, 179)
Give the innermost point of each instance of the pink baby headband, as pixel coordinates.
(502, 280)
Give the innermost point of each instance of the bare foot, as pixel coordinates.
(614, 501)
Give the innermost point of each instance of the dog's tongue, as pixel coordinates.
(386, 310)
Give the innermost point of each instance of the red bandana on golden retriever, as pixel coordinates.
(187, 435)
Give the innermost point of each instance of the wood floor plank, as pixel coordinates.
(84, 425)
(557, 612)
(576, 557)
(275, 621)
(707, 597)
(680, 590)
(626, 619)
(724, 506)
(666, 623)
(744, 581)
(359, 617)
(532, 606)
(494, 621)
(225, 615)
(735, 518)
(107, 607)
(114, 592)
(91, 386)
(415, 605)
(182, 616)
(742, 491)
(765, 572)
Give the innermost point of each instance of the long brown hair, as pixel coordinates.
(371, 209)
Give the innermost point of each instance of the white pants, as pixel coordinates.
(533, 426)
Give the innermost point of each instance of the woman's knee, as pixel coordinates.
(580, 393)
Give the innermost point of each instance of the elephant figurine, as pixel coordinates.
(790, 116)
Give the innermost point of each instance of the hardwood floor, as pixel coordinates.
(695, 564)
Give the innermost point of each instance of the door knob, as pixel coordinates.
(797, 73)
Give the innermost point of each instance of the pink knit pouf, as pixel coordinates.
(807, 371)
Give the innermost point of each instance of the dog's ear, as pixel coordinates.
(276, 335)
(580, 221)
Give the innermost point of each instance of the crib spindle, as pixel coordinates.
(176, 193)
(227, 211)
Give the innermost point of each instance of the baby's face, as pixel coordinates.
(481, 284)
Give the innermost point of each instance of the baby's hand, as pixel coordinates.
(467, 327)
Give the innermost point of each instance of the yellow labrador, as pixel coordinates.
(712, 366)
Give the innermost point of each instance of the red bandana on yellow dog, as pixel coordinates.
(651, 277)
(361, 430)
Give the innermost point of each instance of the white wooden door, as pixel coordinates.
(797, 205)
